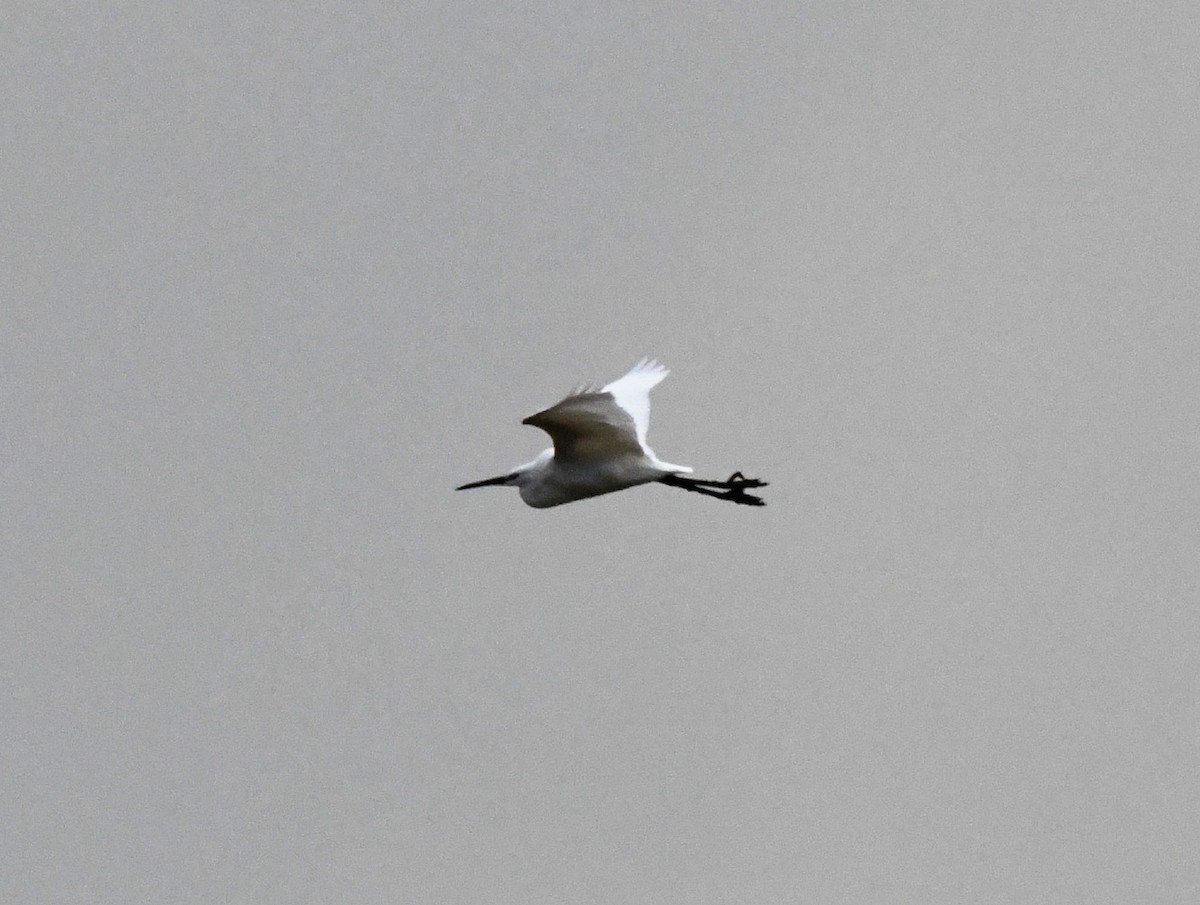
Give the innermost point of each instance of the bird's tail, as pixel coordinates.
(675, 469)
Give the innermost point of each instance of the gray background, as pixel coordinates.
(276, 278)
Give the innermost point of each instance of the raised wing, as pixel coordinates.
(588, 426)
(609, 422)
(632, 393)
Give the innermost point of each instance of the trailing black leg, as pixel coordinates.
(733, 489)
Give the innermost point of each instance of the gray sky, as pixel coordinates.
(276, 279)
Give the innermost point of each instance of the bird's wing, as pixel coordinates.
(611, 421)
(587, 426)
(632, 393)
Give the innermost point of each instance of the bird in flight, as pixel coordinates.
(600, 447)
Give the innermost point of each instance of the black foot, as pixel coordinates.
(737, 479)
(733, 490)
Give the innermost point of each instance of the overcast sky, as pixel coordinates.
(277, 277)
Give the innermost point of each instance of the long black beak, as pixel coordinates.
(490, 482)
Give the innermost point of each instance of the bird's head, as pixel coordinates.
(518, 477)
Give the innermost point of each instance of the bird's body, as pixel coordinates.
(553, 480)
(600, 446)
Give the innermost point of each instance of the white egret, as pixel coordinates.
(600, 446)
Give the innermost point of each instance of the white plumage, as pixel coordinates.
(600, 446)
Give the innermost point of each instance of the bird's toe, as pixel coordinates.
(739, 481)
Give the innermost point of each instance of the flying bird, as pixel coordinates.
(600, 447)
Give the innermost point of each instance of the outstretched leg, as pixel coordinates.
(734, 488)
